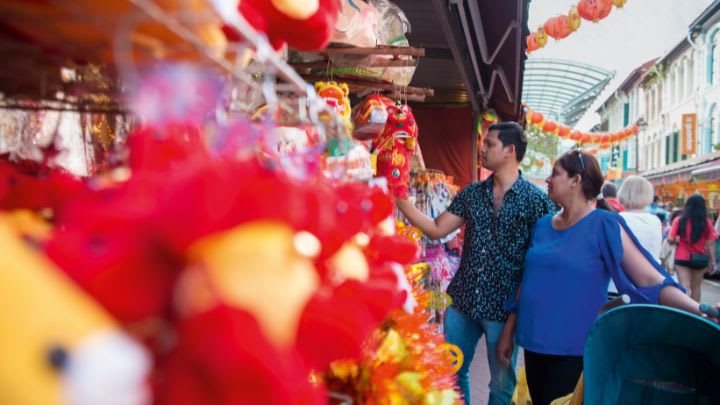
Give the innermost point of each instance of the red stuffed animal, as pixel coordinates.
(394, 148)
(303, 24)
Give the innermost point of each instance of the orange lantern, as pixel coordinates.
(604, 145)
(563, 131)
(585, 138)
(576, 135)
(594, 10)
(627, 132)
(536, 117)
(635, 129)
(603, 139)
(550, 126)
(532, 44)
(574, 19)
(619, 3)
(558, 27)
(592, 151)
(541, 37)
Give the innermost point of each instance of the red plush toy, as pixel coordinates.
(394, 148)
(302, 24)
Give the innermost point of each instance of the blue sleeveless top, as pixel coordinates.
(566, 280)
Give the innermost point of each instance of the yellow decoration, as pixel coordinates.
(619, 3)
(336, 96)
(30, 224)
(521, 396)
(410, 385)
(454, 354)
(350, 263)
(40, 309)
(256, 267)
(444, 397)
(297, 9)
(439, 300)
(541, 37)
(392, 348)
(574, 18)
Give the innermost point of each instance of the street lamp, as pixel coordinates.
(642, 125)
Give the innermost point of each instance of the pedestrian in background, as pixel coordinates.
(609, 193)
(695, 237)
(636, 194)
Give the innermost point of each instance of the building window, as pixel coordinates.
(714, 62)
(711, 132)
(689, 78)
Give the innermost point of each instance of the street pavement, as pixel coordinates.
(480, 375)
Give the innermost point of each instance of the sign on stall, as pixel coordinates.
(689, 129)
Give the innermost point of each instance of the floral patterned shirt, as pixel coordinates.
(494, 248)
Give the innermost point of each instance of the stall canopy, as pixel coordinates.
(474, 51)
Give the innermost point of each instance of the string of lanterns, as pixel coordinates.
(561, 26)
(603, 140)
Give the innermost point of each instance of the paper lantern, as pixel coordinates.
(558, 27)
(592, 151)
(536, 117)
(635, 129)
(550, 126)
(627, 132)
(619, 3)
(576, 135)
(541, 37)
(574, 19)
(603, 139)
(585, 138)
(532, 44)
(563, 131)
(594, 10)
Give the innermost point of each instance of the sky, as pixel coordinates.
(627, 38)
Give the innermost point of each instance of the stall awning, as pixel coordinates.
(681, 172)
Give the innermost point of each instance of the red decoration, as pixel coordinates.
(563, 131)
(594, 10)
(550, 126)
(558, 27)
(532, 44)
(310, 33)
(576, 135)
(635, 129)
(585, 138)
(394, 147)
(536, 117)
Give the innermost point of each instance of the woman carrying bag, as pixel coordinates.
(695, 237)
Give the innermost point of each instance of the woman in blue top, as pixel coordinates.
(572, 256)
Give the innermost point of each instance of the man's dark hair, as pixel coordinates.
(609, 190)
(511, 133)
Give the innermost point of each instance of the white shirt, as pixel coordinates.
(647, 229)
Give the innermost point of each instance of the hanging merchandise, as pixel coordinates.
(369, 116)
(358, 24)
(394, 148)
(303, 25)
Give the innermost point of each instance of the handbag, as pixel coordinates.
(699, 261)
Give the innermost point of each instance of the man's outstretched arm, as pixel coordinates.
(437, 228)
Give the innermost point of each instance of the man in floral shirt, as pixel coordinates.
(499, 215)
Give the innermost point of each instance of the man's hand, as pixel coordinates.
(505, 346)
(437, 228)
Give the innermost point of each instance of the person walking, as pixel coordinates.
(499, 215)
(609, 193)
(695, 237)
(572, 256)
(636, 194)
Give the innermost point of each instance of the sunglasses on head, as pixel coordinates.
(580, 157)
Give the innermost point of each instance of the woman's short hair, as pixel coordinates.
(636, 193)
(577, 162)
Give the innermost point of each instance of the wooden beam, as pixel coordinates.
(359, 63)
(361, 84)
(377, 50)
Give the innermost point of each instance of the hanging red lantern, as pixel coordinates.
(558, 27)
(563, 131)
(550, 126)
(619, 3)
(532, 44)
(592, 151)
(604, 145)
(627, 132)
(594, 10)
(576, 135)
(603, 139)
(536, 117)
(574, 19)
(635, 129)
(585, 138)
(613, 137)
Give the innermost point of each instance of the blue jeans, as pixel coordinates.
(465, 332)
